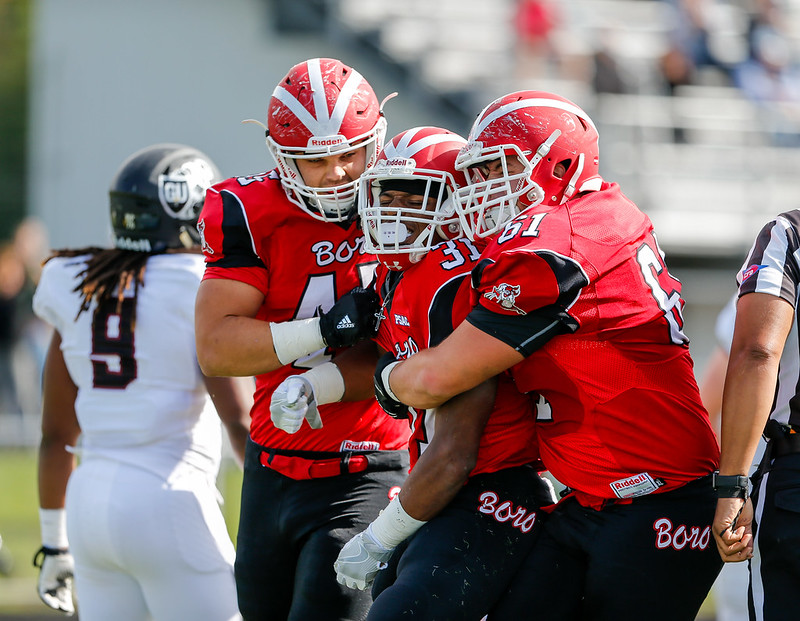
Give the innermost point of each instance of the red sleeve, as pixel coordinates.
(516, 283)
(254, 276)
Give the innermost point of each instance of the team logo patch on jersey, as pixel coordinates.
(201, 228)
(637, 485)
(753, 269)
(506, 296)
(401, 320)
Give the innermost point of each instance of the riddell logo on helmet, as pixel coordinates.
(398, 162)
(328, 141)
(126, 243)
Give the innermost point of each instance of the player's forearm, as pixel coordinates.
(54, 469)
(463, 360)
(434, 481)
(445, 465)
(237, 435)
(422, 382)
(236, 346)
(357, 366)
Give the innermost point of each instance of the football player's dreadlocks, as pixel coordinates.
(109, 272)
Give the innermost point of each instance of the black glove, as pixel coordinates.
(390, 405)
(352, 318)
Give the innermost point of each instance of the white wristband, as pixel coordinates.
(327, 382)
(295, 339)
(53, 523)
(387, 371)
(394, 525)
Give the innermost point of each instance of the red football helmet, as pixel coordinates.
(322, 107)
(525, 135)
(420, 162)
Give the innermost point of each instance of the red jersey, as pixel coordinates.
(620, 413)
(253, 234)
(422, 305)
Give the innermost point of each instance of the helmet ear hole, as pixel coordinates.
(560, 169)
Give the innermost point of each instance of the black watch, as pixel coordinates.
(731, 486)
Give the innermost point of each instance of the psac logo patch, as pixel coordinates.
(506, 296)
(402, 320)
(753, 269)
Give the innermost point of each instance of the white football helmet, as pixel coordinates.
(419, 162)
(320, 108)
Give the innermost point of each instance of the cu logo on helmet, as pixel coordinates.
(182, 191)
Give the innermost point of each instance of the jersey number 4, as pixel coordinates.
(320, 291)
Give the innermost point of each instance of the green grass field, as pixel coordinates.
(19, 527)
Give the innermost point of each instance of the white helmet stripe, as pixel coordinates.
(484, 122)
(318, 93)
(324, 124)
(343, 102)
(304, 116)
(402, 148)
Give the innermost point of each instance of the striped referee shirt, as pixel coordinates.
(773, 267)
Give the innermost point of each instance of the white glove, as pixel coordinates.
(360, 560)
(55, 578)
(292, 402)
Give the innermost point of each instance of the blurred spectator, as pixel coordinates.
(533, 21)
(771, 78)
(691, 43)
(608, 77)
(692, 31)
(12, 281)
(23, 336)
(32, 246)
(677, 69)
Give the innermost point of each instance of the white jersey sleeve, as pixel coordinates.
(141, 396)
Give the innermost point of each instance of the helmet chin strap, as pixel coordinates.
(186, 238)
(570, 189)
(544, 148)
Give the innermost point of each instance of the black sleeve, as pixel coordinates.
(525, 333)
(237, 246)
(440, 314)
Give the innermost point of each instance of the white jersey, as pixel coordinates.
(139, 402)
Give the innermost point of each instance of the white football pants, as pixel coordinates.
(146, 549)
